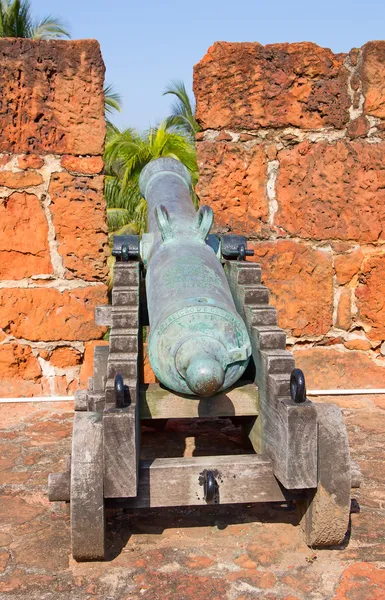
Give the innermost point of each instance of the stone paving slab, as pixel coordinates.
(212, 553)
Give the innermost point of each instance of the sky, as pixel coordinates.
(147, 44)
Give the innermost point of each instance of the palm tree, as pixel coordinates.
(16, 21)
(112, 102)
(126, 153)
(182, 117)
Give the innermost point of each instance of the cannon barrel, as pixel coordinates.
(198, 343)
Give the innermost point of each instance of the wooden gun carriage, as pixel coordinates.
(301, 448)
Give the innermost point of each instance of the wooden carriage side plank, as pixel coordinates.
(325, 511)
(121, 426)
(87, 502)
(285, 431)
(121, 451)
(103, 315)
(100, 367)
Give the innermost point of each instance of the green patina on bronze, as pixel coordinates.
(198, 343)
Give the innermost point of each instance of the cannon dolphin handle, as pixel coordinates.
(198, 343)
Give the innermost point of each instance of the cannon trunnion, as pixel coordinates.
(301, 448)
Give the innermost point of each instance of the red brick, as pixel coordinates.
(57, 105)
(20, 373)
(232, 181)
(247, 86)
(47, 315)
(344, 317)
(245, 562)
(30, 161)
(87, 165)
(300, 282)
(15, 511)
(332, 191)
(87, 368)
(329, 368)
(79, 216)
(62, 386)
(373, 78)
(65, 356)
(357, 344)
(370, 296)
(23, 237)
(347, 265)
(20, 179)
(198, 562)
(359, 127)
(361, 581)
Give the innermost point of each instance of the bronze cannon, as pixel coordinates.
(217, 351)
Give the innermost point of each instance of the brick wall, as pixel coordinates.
(53, 236)
(292, 153)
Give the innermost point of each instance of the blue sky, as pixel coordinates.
(148, 43)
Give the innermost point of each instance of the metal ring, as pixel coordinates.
(297, 386)
(209, 486)
(203, 221)
(119, 391)
(164, 223)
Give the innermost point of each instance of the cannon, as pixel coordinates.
(217, 351)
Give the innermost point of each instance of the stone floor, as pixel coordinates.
(235, 552)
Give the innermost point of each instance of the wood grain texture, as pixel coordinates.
(87, 501)
(285, 431)
(325, 511)
(179, 481)
(158, 403)
(121, 441)
(100, 367)
(59, 487)
(103, 315)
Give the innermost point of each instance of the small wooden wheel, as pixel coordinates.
(325, 511)
(87, 501)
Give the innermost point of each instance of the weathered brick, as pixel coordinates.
(20, 372)
(79, 215)
(370, 296)
(30, 161)
(232, 181)
(248, 86)
(65, 356)
(347, 265)
(344, 310)
(87, 165)
(20, 179)
(300, 281)
(23, 237)
(358, 127)
(361, 581)
(329, 368)
(45, 314)
(54, 96)
(373, 78)
(87, 368)
(332, 191)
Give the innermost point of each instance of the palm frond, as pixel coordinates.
(117, 218)
(182, 117)
(49, 28)
(112, 100)
(16, 21)
(126, 154)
